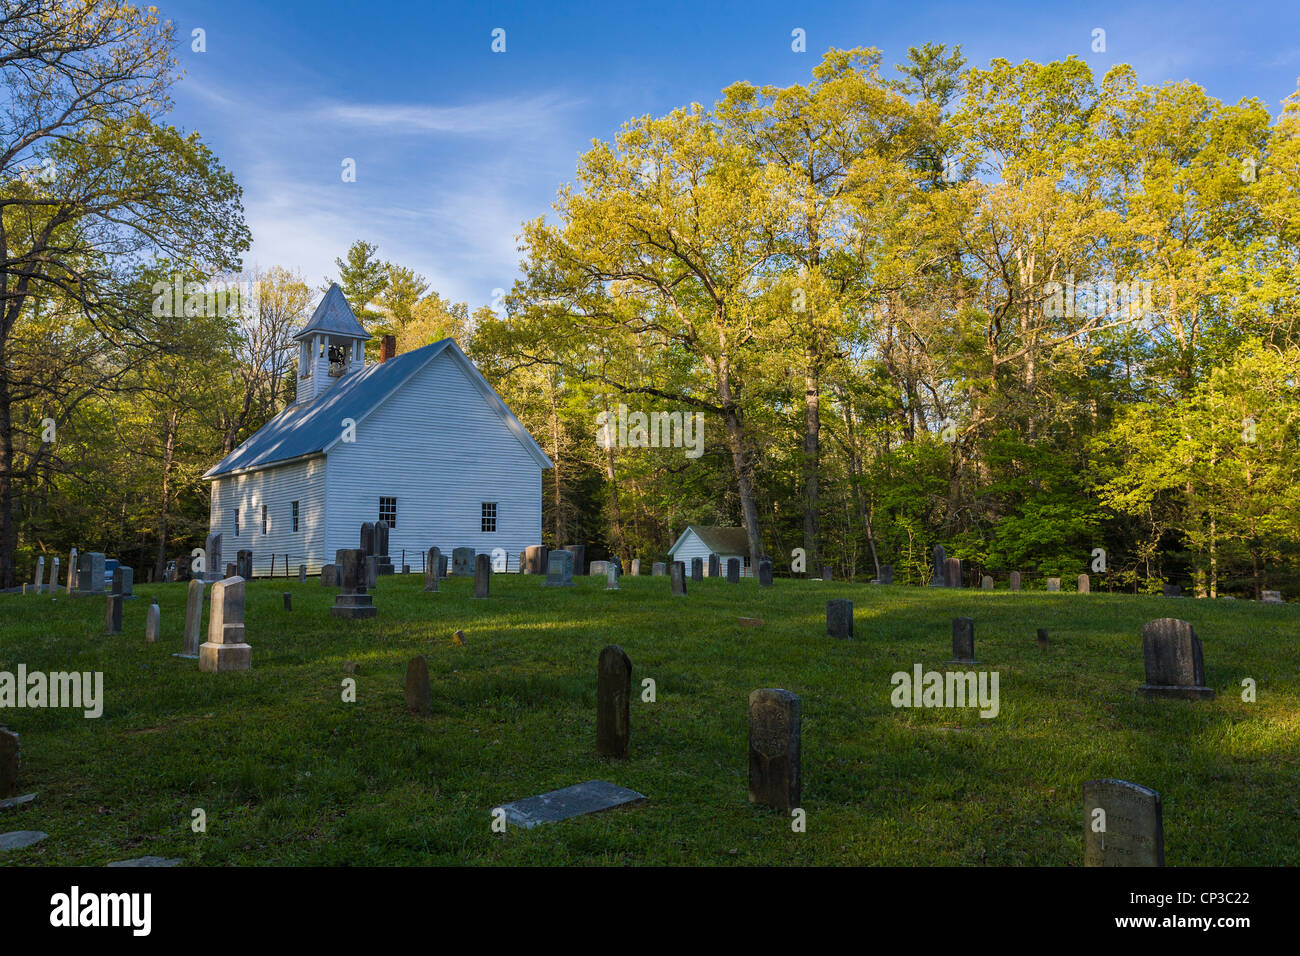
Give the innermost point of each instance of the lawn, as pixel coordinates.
(287, 773)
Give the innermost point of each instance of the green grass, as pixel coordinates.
(289, 774)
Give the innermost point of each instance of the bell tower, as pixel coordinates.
(331, 346)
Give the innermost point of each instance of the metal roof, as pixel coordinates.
(333, 317)
(314, 427)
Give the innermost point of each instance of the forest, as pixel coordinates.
(1030, 313)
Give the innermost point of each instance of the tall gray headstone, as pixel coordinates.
(828, 574)
(329, 576)
(733, 570)
(963, 641)
(302, 574)
(886, 574)
(697, 569)
(579, 552)
(1085, 584)
(72, 571)
(1122, 825)
(636, 567)
(40, 574)
(1015, 580)
(367, 538)
(715, 566)
(535, 559)
(765, 573)
(371, 571)
(839, 618)
(244, 564)
(938, 578)
(193, 620)
(986, 583)
(213, 564)
(225, 648)
(952, 572)
(113, 621)
(1174, 661)
(418, 690)
(613, 702)
(677, 578)
(90, 573)
(774, 758)
(54, 577)
(559, 570)
(352, 601)
(152, 622)
(611, 576)
(383, 560)
(482, 575)
(432, 569)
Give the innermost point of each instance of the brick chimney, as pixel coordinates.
(387, 348)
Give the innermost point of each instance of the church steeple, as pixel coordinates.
(330, 346)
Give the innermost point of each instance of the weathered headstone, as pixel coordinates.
(1042, 638)
(1122, 825)
(1171, 590)
(579, 552)
(90, 573)
(611, 576)
(9, 756)
(40, 574)
(952, 573)
(128, 581)
(535, 559)
(774, 760)
(231, 568)
(302, 574)
(599, 568)
(938, 579)
(1053, 584)
(715, 566)
(697, 569)
(613, 702)
(152, 623)
(462, 561)
(1270, 597)
(225, 648)
(19, 839)
(113, 613)
(212, 557)
(54, 577)
(636, 567)
(559, 569)
(419, 693)
(1174, 661)
(677, 578)
(432, 569)
(765, 573)
(288, 601)
(193, 620)
(1085, 584)
(658, 569)
(886, 574)
(72, 571)
(371, 571)
(352, 601)
(442, 566)
(244, 564)
(986, 583)
(482, 575)
(184, 568)
(733, 570)
(329, 576)
(963, 641)
(367, 538)
(383, 560)
(590, 797)
(1015, 580)
(827, 573)
(839, 618)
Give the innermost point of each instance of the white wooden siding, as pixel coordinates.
(277, 488)
(441, 450)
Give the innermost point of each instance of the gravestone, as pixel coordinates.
(715, 566)
(352, 601)
(613, 701)
(618, 564)
(20, 839)
(152, 622)
(937, 579)
(733, 570)
(184, 568)
(1053, 584)
(590, 797)
(658, 569)
(579, 552)
(54, 577)
(559, 569)
(442, 566)
(886, 574)
(952, 573)
(40, 574)
(462, 561)
(1172, 590)
(225, 649)
(113, 612)
(90, 573)
(244, 564)
(636, 567)
(288, 601)
(329, 576)
(72, 571)
(9, 754)
(697, 569)
(193, 620)
(963, 641)
(128, 582)
(1128, 831)
(212, 558)
(599, 568)
(1174, 662)
(231, 568)
(535, 559)
(482, 575)
(302, 574)
(383, 561)
(677, 578)
(371, 571)
(765, 573)
(1085, 584)
(1015, 580)
(611, 576)
(774, 764)
(419, 693)
(1042, 638)
(839, 618)
(986, 583)
(1270, 597)
(432, 567)
(827, 573)
(367, 538)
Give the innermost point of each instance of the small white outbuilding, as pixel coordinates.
(699, 541)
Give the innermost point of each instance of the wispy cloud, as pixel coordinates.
(503, 117)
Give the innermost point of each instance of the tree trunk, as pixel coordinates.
(811, 463)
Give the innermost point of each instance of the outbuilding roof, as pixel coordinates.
(718, 540)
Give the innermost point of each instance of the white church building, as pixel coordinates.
(419, 440)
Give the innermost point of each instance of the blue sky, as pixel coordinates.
(455, 145)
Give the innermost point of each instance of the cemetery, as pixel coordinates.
(497, 724)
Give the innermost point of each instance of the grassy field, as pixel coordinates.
(287, 773)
